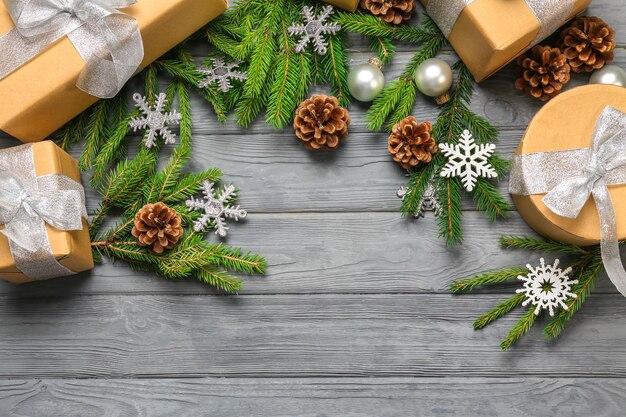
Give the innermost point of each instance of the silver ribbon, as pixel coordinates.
(108, 40)
(570, 177)
(28, 203)
(551, 14)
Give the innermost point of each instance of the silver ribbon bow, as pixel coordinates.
(570, 177)
(28, 203)
(108, 40)
(550, 13)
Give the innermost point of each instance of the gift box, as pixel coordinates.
(40, 196)
(488, 34)
(349, 5)
(42, 95)
(556, 148)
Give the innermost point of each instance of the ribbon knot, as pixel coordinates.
(108, 40)
(22, 204)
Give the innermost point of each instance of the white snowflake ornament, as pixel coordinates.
(221, 73)
(215, 208)
(547, 287)
(313, 29)
(467, 160)
(155, 119)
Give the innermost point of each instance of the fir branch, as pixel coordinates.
(96, 132)
(543, 245)
(488, 198)
(219, 279)
(233, 259)
(396, 91)
(500, 310)
(586, 282)
(418, 182)
(335, 66)
(521, 328)
(451, 214)
(383, 47)
(488, 278)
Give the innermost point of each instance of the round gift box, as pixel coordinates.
(568, 122)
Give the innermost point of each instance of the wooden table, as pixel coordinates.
(353, 319)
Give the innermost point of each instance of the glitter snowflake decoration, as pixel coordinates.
(468, 160)
(221, 73)
(215, 207)
(313, 29)
(547, 287)
(155, 119)
(427, 203)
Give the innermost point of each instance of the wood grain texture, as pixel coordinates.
(324, 335)
(353, 318)
(314, 397)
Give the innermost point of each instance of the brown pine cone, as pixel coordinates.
(158, 226)
(542, 72)
(321, 122)
(410, 143)
(588, 43)
(390, 11)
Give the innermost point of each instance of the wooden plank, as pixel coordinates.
(328, 253)
(380, 397)
(296, 335)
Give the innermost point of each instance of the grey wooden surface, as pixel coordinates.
(353, 319)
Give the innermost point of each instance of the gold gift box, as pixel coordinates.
(72, 249)
(42, 96)
(349, 5)
(568, 122)
(489, 34)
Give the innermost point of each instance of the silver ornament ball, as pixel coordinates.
(434, 78)
(610, 74)
(366, 81)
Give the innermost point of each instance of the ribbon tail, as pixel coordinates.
(609, 245)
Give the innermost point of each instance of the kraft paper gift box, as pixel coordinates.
(70, 249)
(42, 96)
(350, 5)
(568, 122)
(489, 34)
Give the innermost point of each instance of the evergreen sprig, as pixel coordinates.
(132, 183)
(127, 183)
(455, 116)
(586, 264)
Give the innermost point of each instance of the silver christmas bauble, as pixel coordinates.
(434, 78)
(366, 81)
(610, 74)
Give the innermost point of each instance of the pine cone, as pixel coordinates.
(390, 11)
(321, 122)
(588, 43)
(410, 143)
(158, 226)
(543, 72)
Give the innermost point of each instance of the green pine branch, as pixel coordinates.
(586, 282)
(586, 266)
(542, 245)
(521, 328)
(499, 311)
(489, 278)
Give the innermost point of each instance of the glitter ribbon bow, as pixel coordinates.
(28, 203)
(108, 40)
(570, 177)
(550, 13)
